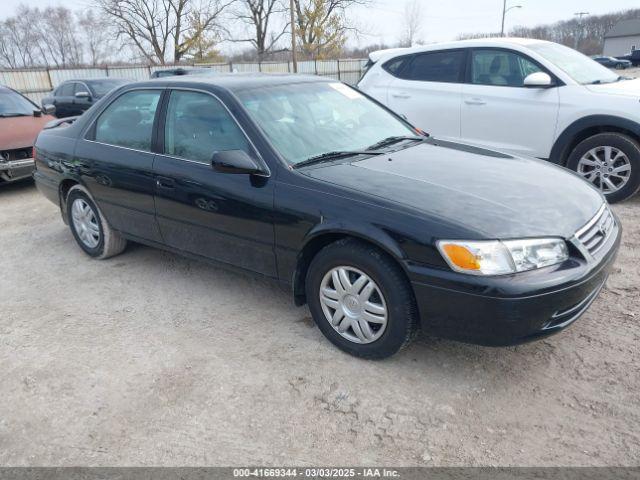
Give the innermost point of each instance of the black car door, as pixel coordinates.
(63, 99)
(116, 163)
(221, 216)
(82, 98)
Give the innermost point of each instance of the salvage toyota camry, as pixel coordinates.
(378, 227)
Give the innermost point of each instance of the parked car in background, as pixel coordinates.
(613, 62)
(174, 72)
(527, 97)
(378, 227)
(633, 57)
(20, 122)
(73, 97)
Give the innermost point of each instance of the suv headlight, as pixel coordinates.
(502, 257)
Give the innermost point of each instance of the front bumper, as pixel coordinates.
(514, 309)
(16, 169)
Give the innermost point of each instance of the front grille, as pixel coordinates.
(596, 233)
(18, 154)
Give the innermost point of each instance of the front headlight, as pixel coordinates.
(502, 257)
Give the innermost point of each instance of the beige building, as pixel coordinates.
(623, 38)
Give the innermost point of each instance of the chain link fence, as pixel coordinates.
(36, 83)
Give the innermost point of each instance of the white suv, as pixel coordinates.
(527, 97)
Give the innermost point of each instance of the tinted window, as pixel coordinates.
(436, 67)
(65, 90)
(199, 125)
(500, 68)
(128, 121)
(395, 65)
(79, 87)
(102, 87)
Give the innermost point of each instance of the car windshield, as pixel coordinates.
(581, 68)
(102, 87)
(306, 120)
(13, 104)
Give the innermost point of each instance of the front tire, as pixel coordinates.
(611, 162)
(89, 227)
(361, 299)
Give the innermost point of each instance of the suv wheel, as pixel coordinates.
(92, 232)
(361, 300)
(611, 162)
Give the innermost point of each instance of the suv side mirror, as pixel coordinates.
(538, 80)
(83, 94)
(235, 161)
(48, 109)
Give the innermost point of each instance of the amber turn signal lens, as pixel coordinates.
(462, 257)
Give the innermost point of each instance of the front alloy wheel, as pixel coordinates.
(608, 168)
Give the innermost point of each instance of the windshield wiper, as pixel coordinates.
(328, 156)
(5, 115)
(393, 140)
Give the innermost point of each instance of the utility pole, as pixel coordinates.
(577, 39)
(293, 37)
(504, 14)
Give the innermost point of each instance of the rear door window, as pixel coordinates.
(128, 121)
(445, 67)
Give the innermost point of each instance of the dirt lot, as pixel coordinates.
(151, 359)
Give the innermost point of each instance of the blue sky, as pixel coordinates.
(442, 19)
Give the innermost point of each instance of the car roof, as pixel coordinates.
(96, 79)
(476, 42)
(240, 81)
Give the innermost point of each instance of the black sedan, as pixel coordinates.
(378, 227)
(612, 62)
(74, 97)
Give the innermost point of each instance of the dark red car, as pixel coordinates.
(20, 122)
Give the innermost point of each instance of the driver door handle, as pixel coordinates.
(475, 101)
(165, 183)
(400, 95)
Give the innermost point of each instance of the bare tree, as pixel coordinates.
(155, 27)
(259, 15)
(96, 37)
(322, 26)
(411, 23)
(57, 37)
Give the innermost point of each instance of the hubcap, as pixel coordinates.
(353, 304)
(608, 168)
(85, 223)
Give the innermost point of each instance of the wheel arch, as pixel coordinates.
(325, 234)
(587, 127)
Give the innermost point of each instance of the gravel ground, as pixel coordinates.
(152, 359)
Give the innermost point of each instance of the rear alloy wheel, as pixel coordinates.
(92, 232)
(611, 162)
(361, 299)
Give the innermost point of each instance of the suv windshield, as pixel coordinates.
(578, 66)
(102, 87)
(13, 104)
(309, 119)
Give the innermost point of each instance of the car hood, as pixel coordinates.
(625, 87)
(492, 195)
(21, 132)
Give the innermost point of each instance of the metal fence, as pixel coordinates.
(38, 82)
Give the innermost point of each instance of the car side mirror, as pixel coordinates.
(235, 161)
(48, 109)
(83, 94)
(538, 80)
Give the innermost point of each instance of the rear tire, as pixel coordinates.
(375, 300)
(619, 168)
(89, 227)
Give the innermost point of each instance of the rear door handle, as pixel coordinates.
(165, 183)
(400, 95)
(475, 101)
